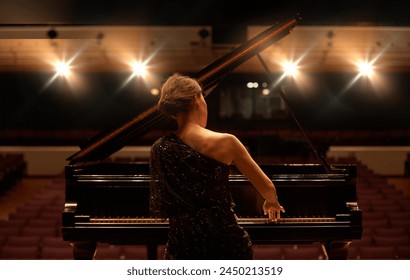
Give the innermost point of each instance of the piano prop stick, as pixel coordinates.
(108, 202)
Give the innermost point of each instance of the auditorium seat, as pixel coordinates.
(385, 206)
(403, 252)
(13, 223)
(54, 241)
(39, 231)
(160, 252)
(371, 197)
(55, 215)
(401, 215)
(364, 241)
(109, 252)
(267, 252)
(390, 232)
(19, 253)
(24, 214)
(41, 223)
(364, 205)
(2, 240)
(390, 190)
(367, 232)
(400, 223)
(394, 197)
(35, 202)
(22, 241)
(303, 253)
(364, 191)
(8, 230)
(376, 181)
(135, 252)
(383, 202)
(402, 240)
(56, 253)
(375, 223)
(377, 253)
(404, 204)
(371, 216)
(353, 253)
(44, 198)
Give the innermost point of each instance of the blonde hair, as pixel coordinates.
(177, 94)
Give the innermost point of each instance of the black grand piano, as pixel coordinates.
(107, 202)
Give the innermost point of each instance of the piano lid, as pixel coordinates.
(107, 143)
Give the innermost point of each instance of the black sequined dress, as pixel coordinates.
(192, 190)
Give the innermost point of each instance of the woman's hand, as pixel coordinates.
(272, 209)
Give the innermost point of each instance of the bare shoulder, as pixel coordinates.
(220, 146)
(223, 138)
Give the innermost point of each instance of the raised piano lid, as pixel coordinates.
(107, 143)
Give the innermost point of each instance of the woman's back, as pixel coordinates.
(209, 143)
(192, 190)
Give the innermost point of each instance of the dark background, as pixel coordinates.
(25, 104)
(206, 12)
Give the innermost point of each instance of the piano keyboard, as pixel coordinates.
(240, 220)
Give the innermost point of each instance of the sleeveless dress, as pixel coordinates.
(191, 190)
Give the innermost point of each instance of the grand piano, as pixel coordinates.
(108, 202)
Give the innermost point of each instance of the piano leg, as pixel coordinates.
(84, 250)
(336, 250)
(152, 251)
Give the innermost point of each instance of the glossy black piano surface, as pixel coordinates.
(107, 202)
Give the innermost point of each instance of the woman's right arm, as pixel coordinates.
(248, 167)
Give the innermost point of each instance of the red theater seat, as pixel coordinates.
(402, 240)
(19, 253)
(136, 252)
(377, 253)
(267, 252)
(23, 241)
(403, 252)
(110, 252)
(303, 253)
(56, 253)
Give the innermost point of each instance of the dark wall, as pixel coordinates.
(207, 12)
(99, 102)
(95, 101)
(332, 101)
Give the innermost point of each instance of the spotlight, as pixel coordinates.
(252, 85)
(265, 91)
(139, 69)
(155, 91)
(365, 69)
(62, 69)
(290, 68)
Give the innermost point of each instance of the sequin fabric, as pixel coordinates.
(192, 190)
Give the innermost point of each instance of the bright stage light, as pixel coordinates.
(290, 68)
(365, 68)
(265, 91)
(155, 91)
(62, 69)
(139, 69)
(252, 85)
